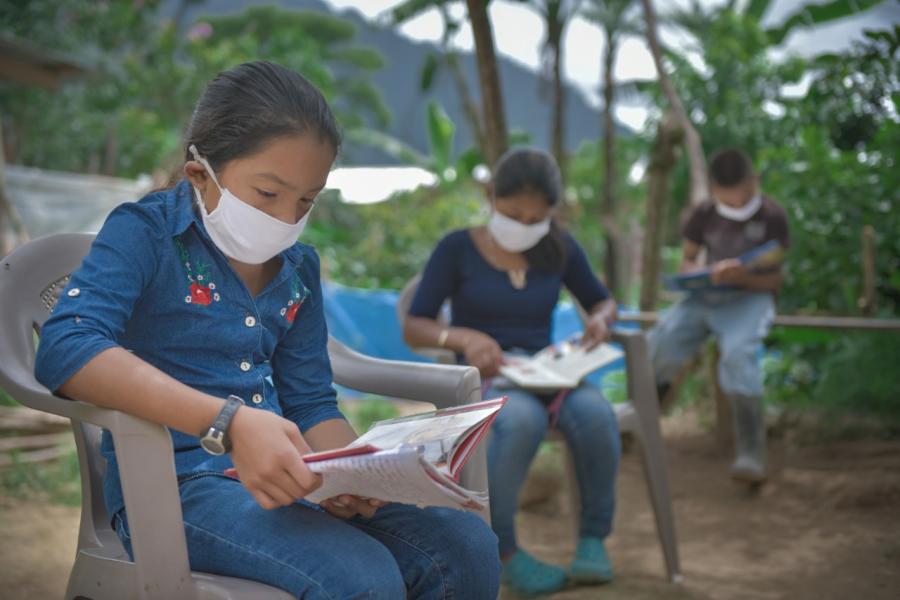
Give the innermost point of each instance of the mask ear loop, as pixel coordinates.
(193, 150)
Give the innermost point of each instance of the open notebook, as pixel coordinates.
(557, 367)
(413, 460)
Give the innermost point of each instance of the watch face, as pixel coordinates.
(213, 445)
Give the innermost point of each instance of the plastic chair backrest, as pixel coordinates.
(26, 306)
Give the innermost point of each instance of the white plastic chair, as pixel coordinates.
(31, 279)
(638, 417)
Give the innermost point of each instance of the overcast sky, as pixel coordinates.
(518, 32)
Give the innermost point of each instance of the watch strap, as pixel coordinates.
(223, 420)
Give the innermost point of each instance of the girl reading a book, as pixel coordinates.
(503, 280)
(198, 309)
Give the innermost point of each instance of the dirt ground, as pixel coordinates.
(826, 527)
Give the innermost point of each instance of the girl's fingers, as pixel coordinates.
(264, 499)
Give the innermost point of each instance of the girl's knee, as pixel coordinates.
(473, 559)
(522, 416)
(588, 405)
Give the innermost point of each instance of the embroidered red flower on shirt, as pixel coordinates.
(200, 294)
(202, 289)
(299, 294)
(292, 311)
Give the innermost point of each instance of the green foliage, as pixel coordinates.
(362, 414)
(440, 137)
(812, 14)
(128, 116)
(830, 196)
(58, 481)
(6, 399)
(383, 245)
(836, 372)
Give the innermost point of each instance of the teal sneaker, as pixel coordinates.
(591, 564)
(527, 576)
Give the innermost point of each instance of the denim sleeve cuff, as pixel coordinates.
(53, 373)
(325, 414)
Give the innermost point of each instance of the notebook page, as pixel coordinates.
(396, 475)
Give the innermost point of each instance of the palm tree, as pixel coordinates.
(449, 58)
(556, 15)
(492, 110)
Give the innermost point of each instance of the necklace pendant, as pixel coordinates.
(517, 278)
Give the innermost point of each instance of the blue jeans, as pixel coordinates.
(589, 425)
(739, 320)
(402, 552)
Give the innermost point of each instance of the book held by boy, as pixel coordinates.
(762, 257)
(559, 366)
(413, 460)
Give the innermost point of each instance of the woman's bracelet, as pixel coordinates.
(442, 338)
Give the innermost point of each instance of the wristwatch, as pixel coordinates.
(215, 439)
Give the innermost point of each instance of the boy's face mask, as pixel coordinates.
(739, 214)
(242, 232)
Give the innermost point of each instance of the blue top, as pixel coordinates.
(155, 284)
(483, 298)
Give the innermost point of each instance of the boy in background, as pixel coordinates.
(735, 220)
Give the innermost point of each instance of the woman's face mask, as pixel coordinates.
(513, 235)
(242, 232)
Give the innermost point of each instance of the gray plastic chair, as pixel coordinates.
(31, 279)
(638, 417)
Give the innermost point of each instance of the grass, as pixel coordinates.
(6, 399)
(57, 482)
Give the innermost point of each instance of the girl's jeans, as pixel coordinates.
(589, 424)
(402, 552)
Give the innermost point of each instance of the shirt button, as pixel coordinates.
(250, 322)
(73, 292)
(257, 398)
(245, 366)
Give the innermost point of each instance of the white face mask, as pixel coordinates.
(739, 214)
(242, 232)
(514, 236)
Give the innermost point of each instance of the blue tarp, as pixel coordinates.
(366, 320)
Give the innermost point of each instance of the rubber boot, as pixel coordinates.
(749, 439)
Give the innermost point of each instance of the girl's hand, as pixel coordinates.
(596, 331)
(483, 351)
(346, 506)
(266, 451)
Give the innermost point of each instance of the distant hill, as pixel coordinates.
(528, 107)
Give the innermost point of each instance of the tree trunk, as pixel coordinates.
(609, 169)
(111, 152)
(699, 190)
(495, 133)
(669, 136)
(555, 28)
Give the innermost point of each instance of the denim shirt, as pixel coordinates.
(155, 284)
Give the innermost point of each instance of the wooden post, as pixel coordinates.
(12, 230)
(669, 135)
(868, 302)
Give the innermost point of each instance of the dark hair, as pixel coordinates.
(523, 170)
(730, 167)
(246, 106)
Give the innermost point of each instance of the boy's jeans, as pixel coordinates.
(739, 320)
